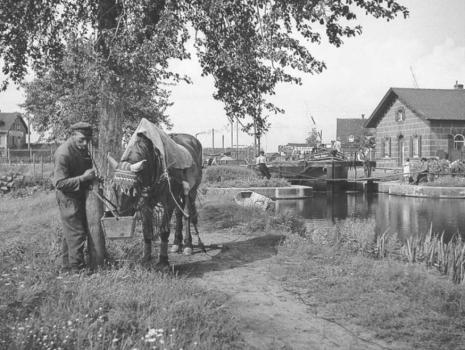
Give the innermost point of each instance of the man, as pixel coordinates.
(261, 163)
(73, 175)
(423, 171)
(337, 145)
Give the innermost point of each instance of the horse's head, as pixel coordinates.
(135, 174)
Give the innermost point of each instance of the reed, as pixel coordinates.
(433, 250)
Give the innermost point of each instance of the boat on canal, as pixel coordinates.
(324, 169)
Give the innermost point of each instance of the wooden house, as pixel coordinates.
(13, 131)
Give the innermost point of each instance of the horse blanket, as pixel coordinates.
(173, 155)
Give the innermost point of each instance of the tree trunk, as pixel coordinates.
(109, 141)
(110, 134)
(96, 238)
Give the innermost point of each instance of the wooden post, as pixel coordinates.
(41, 167)
(8, 156)
(51, 154)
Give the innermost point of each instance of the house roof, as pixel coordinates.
(7, 120)
(349, 126)
(429, 104)
(293, 144)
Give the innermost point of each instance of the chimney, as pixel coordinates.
(363, 116)
(458, 86)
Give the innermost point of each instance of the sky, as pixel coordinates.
(428, 46)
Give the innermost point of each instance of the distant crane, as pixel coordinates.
(320, 133)
(415, 83)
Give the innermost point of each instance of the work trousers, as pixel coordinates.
(264, 170)
(75, 228)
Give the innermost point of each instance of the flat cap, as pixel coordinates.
(82, 127)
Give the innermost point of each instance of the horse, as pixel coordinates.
(152, 184)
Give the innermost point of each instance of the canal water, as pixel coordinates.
(403, 215)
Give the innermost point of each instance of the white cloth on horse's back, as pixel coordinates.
(173, 154)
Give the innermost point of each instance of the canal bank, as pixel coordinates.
(407, 190)
(286, 192)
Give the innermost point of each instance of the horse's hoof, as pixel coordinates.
(163, 265)
(187, 251)
(175, 248)
(146, 258)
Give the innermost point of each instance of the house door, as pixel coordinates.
(401, 150)
(456, 147)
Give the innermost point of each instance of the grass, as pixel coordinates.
(219, 214)
(397, 301)
(236, 176)
(118, 308)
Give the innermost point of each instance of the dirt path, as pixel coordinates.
(270, 317)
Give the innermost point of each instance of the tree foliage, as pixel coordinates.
(313, 137)
(248, 47)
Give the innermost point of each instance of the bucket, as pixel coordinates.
(119, 227)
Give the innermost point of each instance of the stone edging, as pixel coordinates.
(287, 192)
(397, 189)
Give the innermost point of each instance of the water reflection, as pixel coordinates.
(404, 215)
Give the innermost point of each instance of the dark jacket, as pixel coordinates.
(70, 164)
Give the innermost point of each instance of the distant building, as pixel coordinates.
(13, 130)
(351, 132)
(295, 148)
(242, 153)
(419, 123)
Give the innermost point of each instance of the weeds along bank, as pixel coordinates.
(335, 272)
(119, 308)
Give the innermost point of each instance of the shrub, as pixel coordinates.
(447, 181)
(236, 176)
(226, 172)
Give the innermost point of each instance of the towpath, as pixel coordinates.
(269, 316)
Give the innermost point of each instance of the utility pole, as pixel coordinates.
(237, 139)
(254, 138)
(232, 134)
(213, 140)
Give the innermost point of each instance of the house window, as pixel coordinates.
(400, 115)
(351, 138)
(459, 141)
(416, 146)
(387, 147)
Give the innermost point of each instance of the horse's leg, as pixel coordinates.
(195, 219)
(147, 228)
(188, 237)
(165, 234)
(177, 244)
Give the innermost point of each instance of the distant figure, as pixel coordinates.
(406, 172)
(337, 144)
(261, 163)
(423, 172)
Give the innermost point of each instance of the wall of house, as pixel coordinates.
(17, 135)
(441, 133)
(410, 127)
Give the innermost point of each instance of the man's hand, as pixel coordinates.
(88, 175)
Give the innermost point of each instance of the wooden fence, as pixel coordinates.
(27, 156)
